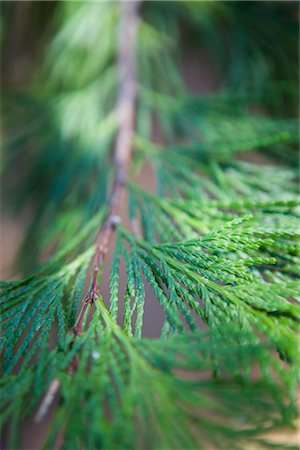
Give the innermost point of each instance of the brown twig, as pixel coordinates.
(122, 151)
(121, 159)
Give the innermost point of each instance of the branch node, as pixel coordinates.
(115, 220)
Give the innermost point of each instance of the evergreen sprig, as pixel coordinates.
(217, 242)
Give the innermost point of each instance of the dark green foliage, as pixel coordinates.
(217, 242)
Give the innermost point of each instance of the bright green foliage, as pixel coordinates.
(217, 242)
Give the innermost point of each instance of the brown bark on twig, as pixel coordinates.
(123, 144)
(121, 159)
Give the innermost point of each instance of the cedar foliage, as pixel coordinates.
(218, 241)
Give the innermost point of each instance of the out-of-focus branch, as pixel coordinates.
(121, 159)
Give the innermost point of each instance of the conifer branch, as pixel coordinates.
(122, 152)
(217, 243)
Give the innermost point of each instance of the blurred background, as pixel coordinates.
(58, 89)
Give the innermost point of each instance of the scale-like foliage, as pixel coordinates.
(217, 242)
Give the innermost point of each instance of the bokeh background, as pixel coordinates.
(249, 48)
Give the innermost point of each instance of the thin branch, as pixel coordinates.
(121, 159)
(122, 152)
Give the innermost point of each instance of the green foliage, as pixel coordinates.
(133, 410)
(217, 242)
(29, 307)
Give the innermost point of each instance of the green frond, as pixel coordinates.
(132, 413)
(29, 311)
(215, 243)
